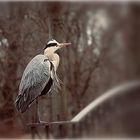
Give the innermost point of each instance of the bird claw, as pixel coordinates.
(41, 121)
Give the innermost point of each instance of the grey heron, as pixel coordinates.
(39, 76)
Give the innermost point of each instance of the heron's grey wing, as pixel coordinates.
(34, 80)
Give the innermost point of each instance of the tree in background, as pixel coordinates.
(96, 61)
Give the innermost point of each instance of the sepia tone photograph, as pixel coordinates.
(69, 69)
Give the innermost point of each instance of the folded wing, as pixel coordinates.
(34, 80)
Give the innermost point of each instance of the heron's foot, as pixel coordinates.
(43, 122)
(39, 121)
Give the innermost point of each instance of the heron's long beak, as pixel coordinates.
(64, 44)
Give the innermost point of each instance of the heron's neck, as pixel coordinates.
(53, 57)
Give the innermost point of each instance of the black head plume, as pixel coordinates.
(51, 43)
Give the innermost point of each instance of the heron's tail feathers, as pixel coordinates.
(24, 100)
(21, 104)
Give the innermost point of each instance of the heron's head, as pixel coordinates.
(53, 45)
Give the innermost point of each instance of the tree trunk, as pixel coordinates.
(132, 35)
(8, 109)
(56, 31)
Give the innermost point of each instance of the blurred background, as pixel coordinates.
(105, 53)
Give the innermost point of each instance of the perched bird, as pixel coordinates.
(39, 76)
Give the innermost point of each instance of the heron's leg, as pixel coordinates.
(37, 112)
